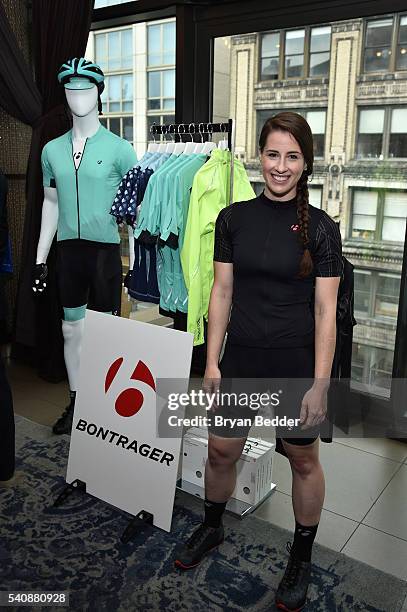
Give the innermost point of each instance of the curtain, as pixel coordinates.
(60, 32)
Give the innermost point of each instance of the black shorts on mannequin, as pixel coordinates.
(253, 370)
(89, 273)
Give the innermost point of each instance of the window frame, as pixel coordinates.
(393, 45)
(388, 110)
(379, 215)
(282, 54)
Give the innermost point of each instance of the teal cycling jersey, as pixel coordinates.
(86, 193)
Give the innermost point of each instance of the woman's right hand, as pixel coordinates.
(211, 381)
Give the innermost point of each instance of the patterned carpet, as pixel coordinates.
(76, 548)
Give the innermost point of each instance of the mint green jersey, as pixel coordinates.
(86, 193)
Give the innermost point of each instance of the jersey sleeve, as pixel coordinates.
(327, 257)
(48, 178)
(223, 249)
(127, 157)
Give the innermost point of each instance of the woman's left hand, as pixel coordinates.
(314, 406)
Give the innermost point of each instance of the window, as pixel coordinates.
(382, 133)
(161, 90)
(102, 3)
(362, 291)
(387, 295)
(122, 126)
(114, 50)
(386, 44)
(161, 44)
(160, 82)
(376, 294)
(270, 56)
(379, 215)
(372, 366)
(401, 61)
(117, 96)
(295, 53)
(316, 119)
(315, 196)
(320, 51)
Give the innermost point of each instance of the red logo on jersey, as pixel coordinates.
(129, 402)
(295, 228)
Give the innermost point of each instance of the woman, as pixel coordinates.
(270, 253)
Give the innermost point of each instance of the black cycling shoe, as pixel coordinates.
(64, 423)
(292, 591)
(203, 540)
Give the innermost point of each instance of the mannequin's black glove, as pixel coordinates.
(127, 279)
(40, 278)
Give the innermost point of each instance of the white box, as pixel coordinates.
(254, 468)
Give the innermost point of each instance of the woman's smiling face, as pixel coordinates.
(283, 164)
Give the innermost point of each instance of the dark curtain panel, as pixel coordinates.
(60, 32)
(19, 96)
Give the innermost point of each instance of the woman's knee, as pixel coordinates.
(303, 460)
(223, 454)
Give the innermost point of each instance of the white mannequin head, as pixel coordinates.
(82, 101)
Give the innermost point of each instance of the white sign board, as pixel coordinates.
(114, 446)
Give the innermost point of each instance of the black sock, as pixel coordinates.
(303, 540)
(72, 398)
(214, 512)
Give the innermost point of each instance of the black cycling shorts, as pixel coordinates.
(252, 371)
(89, 273)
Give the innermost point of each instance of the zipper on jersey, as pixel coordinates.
(77, 186)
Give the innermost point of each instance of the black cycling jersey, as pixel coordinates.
(271, 304)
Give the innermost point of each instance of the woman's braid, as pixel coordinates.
(303, 221)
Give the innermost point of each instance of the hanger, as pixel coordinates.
(223, 144)
(163, 145)
(190, 146)
(179, 147)
(200, 145)
(153, 146)
(209, 145)
(171, 144)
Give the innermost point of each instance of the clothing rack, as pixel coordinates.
(200, 129)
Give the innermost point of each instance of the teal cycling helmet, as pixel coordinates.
(79, 73)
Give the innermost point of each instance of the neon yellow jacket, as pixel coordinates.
(210, 193)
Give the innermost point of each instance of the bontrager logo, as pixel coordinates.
(129, 401)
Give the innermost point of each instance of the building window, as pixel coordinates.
(270, 56)
(401, 61)
(114, 54)
(382, 133)
(372, 366)
(114, 50)
(102, 3)
(315, 196)
(316, 119)
(320, 51)
(376, 294)
(122, 126)
(160, 74)
(386, 44)
(161, 44)
(295, 53)
(161, 90)
(379, 215)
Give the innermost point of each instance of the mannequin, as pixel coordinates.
(78, 190)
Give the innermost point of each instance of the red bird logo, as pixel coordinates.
(295, 228)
